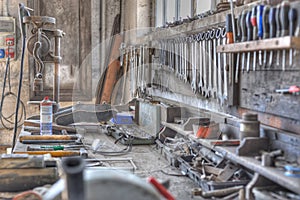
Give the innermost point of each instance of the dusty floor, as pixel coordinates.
(148, 161)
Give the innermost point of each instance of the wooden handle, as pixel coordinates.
(48, 137)
(52, 153)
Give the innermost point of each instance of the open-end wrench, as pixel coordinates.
(176, 52)
(220, 78)
(205, 64)
(215, 67)
(225, 91)
(210, 64)
(194, 64)
(185, 71)
(201, 50)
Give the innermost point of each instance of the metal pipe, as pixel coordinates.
(73, 167)
(56, 78)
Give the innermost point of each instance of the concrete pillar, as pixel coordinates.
(144, 8)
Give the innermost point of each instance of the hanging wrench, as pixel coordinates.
(215, 85)
(225, 91)
(201, 49)
(205, 65)
(220, 78)
(194, 64)
(210, 64)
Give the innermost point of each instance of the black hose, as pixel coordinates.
(6, 119)
(19, 90)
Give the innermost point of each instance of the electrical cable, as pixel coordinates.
(22, 12)
(6, 119)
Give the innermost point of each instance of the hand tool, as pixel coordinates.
(249, 35)
(221, 192)
(53, 148)
(238, 39)
(292, 171)
(210, 63)
(205, 64)
(266, 30)
(225, 142)
(220, 79)
(243, 34)
(278, 30)
(284, 12)
(49, 137)
(225, 91)
(55, 127)
(201, 56)
(194, 64)
(161, 188)
(230, 40)
(292, 90)
(185, 74)
(292, 28)
(254, 25)
(260, 9)
(268, 158)
(59, 153)
(50, 141)
(215, 66)
(272, 24)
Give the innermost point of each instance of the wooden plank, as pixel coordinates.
(266, 44)
(14, 180)
(16, 161)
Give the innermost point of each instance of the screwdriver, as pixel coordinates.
(278, 30)
(272, 28)
(238, 39)
(292, 20)
(292, 90)
(260, 9)
(249, 36)
(266, 29)
(243, 34)
(254, 25)
(284, 11)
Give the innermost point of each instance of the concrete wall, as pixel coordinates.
(9, 103)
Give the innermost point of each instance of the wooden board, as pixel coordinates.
(14, 180)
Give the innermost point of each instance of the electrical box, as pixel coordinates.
(7, 38)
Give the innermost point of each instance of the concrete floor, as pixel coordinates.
(149, 162)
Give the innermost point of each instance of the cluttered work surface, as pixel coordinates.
(193, 157)
(100, 151)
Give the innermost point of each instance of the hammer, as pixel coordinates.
(59, 153)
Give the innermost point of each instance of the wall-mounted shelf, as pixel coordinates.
(229, 152)
(266, 44)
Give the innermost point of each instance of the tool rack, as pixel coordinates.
(278, 114)
(286, 42)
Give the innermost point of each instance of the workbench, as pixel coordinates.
(143, 161)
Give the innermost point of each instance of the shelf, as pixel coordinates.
(266, 44)
(229, 152)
